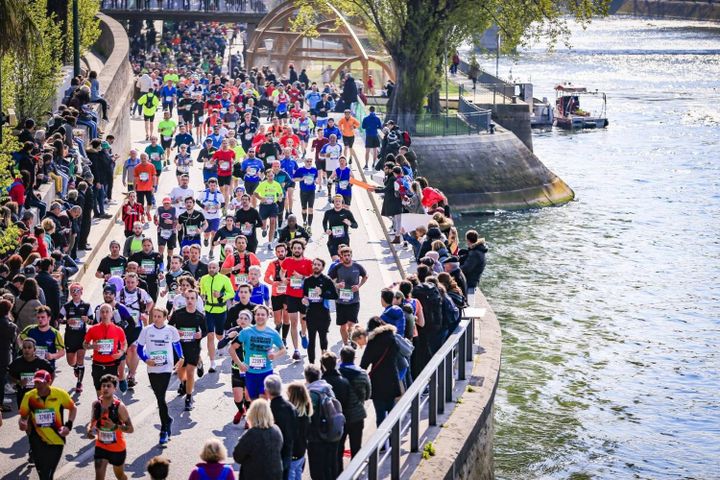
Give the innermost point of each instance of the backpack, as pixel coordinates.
(404, 352)
(403, 191)
(113, 411)
(450, 314)
(225, 473)
(432, 304)
(331, 419)
(246, 261)
(407, 141)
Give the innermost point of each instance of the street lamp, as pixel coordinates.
(76, 38)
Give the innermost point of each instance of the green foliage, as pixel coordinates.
(9, 237)
(89, 24)
(36, 76)
(428, 450)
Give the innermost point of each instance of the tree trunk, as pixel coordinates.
(59, 8)
(434, 101)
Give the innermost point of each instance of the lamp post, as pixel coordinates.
(76, 38)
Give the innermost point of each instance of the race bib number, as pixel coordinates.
(345, 294)
(211, 207)
(182, 168)
(281, 289)
(45, 417)
(303, 128)
(186, 334)
(252, 171)
(343, 184)
(41, 352)
(74, 323)
(168, 99)
(187, 108)
(116, 271)
(155, 156)
(148, 266)
(144, 176)
(314, 295)
(308, 179)
(192, 230)
(257, 361)
(167, 138)
(248, 136)
(159, 358)
(246, 229)
(26, 380)
(296, 281)
(270, 158)
(241, 278)
(231, 125)
(166, 233)
(224, 165)
(269, 199)
(107, 437)
(338, 231)
(106, 345)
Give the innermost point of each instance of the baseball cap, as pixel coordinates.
(42, 376)
(167, 200)
(110, 288)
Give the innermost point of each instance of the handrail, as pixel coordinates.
(437, 376)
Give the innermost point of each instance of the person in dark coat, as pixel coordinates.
(472, 259)
(350, 91)
(380, 352)
(451, 265)
(360, 391)
(292, 230)
(258, 450)
(285, 418)
(8, 334)
(292, 75)
(321, 453)
(85, 194)
(304, 78)
(101, 168)
(341, 388)
(392, 204)
(49, 285)
(432, 234)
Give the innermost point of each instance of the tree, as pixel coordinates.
(414, 31)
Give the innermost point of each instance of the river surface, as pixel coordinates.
(609, 305)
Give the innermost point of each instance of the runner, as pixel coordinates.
(294, 270)
(194, 265)
(317, 145)
(246, 131)
(270, 193)
(248, 220)
(348, 124)
(110, 421)
(371, 124)
(205, 156)
(146, 179)
(128, 173)
(237, 265)
(22, 369)
(166, 129)
(261, 345)
(172, 277)
(260, 292)
(244, 302)
(49, 342)
(166, 221)
(238, 379)
(185, 108)
(113, 264)
(156, 345)
(318, 288)
(348, 276)
(157, 154)
(278, 298)
(216, 290)
(168, 93)
(139, 304)
(252, 169)
(191, 224)
(151, 267)
(107, 342)
(149, 103)
(121, 317)
(341, 176)
(336, 223)
(226, 235)
(179, 193)
(183, 161)
(212, 201)
(309, 179)
(331, 153)
(192, 328)
(76, 315)
(42, 414)
(133, 243)
(225, 158)
(132, 212)
(184, 138)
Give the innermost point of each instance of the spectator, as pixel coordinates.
(49, 285)
(472, 259)
(259, 451)
(392, 314)
(321, 454)
(8, 333)
(285, 418)
(24, 308)
(213, 455)
(360, 392)
(95, 96)
(341, 389)
(158, 468)
(299, 397)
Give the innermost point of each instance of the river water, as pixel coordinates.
(609, 305)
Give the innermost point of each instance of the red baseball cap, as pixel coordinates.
(42, 376)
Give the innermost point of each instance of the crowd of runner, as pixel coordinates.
(259, 141)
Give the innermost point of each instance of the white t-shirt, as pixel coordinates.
(178, 196)
(212, 203)
(158, 346)
(132, 302)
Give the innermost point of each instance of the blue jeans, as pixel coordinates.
(382, 408)
(32, 201)
(296, 469)
(99, 199)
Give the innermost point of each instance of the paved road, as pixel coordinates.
(214, 407)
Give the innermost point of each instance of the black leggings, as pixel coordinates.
(318, 323)
(159, 383)
(46, 457)
(354, 431)
(307, 199)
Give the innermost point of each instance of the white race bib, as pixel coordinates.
(241, 278)
(74, 323)
(314, 295)
(257, 361)
(169, 99)
(45, 417)
(269, 199)
(27, 380)
(345, 294)
(248, 136)
(338, 231)
(166, 233)
(159, 357)
(343, 184)
(246, 228)
(281, 289)
(116, 271)
(107, 437)
(148, 266)
(270, 158)
(144, 176)
(296, 281)
(167, 138)
(106, 345)
(192, 230)
(224, 165)
(41, 352)
(186, 334)
(252, 171)
(309, 179)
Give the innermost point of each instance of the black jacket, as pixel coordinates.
(472, 263)
(380, 352)
(433, 234)
(341, 389)
(392, 205)
(286, 420)
(300, 232)
(202, 269)
(258, 453)
(8, 333)
(360, 391)
(52, 292)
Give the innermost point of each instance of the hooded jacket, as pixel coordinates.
(380, 352)
(360, 391)
(472, 263)
(393, 315)
(316, 389)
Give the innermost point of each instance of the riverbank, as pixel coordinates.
(669, 9)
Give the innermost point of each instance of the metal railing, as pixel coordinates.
(218, 6)
(447, 366)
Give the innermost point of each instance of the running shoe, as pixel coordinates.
(123, 385)
(296, 355)
(131, 382)
(207, 242)
(164, 437)
(188, 403)
(238, 416)
(212, 367)
(304, 341)
(169, 428)
(264, 232)
(181, 388)
(78, 387)
(309, 231)
(200, 369)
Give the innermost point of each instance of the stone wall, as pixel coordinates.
(464, 446)
(488, 172)
(683, 9)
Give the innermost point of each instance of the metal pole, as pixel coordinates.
(433, 401)
(415, 425)
(441, 387)
(462, 349)
(76, 38)
(449, 376)
(395, 453)
(447, 105)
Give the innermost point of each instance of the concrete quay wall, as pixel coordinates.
(678, 9)
(486, 172)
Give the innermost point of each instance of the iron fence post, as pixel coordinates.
(395, 454)
(449, 376)
(470, 339)
(433, 401)
(462, 355)
(441, 387)
(372, 471)
(415, 424)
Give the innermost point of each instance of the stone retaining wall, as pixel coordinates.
(681, 9)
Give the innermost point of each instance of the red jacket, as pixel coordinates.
(17, 192)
